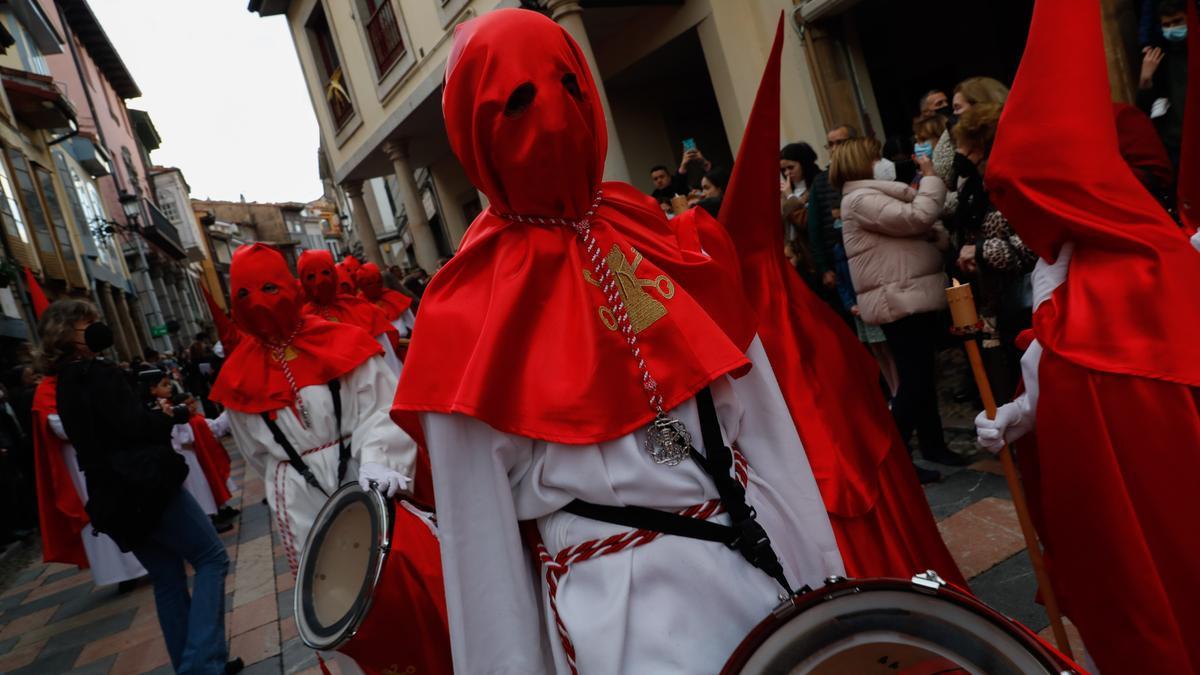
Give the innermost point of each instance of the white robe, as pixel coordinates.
(675, 605)
(108, 564)
(404, 323)
(389, 354)
(366, 394)
(183, 440)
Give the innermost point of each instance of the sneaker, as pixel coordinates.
(927, 476)
(127, 586)
(221, 525)
(228, 513)
(235, 666)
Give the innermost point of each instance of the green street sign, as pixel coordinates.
(158, 331)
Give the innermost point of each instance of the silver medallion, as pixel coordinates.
(667, 440)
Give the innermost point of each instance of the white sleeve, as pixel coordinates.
(493, 604)
(56, 426)
(408, 320)
(241, 426)
(220, 425)
(389, 354)
(1196, 240)
(1029, 372)
(376, 438)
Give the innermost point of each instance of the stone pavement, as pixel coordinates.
(53, 620)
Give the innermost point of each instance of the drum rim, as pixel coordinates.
(383, 544)
(840, 586)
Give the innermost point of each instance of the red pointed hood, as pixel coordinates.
(545, 156)
(819, 364)
(1128, 305)
(283, 349)
(520, 299)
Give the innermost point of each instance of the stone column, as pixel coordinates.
(418, 224)
(569, 15)
(114, 320)
(451, 211)
(363, 226)
(126, 315)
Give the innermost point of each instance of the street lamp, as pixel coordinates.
(132, 206)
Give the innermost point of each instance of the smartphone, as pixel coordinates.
(689, 144)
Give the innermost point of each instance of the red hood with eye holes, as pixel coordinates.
(514, 331)
(252, 379)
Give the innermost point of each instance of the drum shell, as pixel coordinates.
(403, 627)
(1050, 658)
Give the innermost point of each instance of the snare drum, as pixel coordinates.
(369, 585)
(891, 627)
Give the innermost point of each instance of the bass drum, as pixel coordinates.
(370, 586)
(891, 627)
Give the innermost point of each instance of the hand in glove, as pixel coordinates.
(386, 480)
(1013, 420)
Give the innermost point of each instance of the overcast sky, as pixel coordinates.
(226, 94)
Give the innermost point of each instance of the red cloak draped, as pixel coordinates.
(879, 513)
(213, 458)
(514, 329)
(60, 511)
(1118, 415)
(370, 286)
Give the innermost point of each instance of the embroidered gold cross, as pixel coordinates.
(643, 309)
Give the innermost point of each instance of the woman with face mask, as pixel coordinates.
(133, 480)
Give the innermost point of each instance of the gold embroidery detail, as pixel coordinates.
(643, 309)
(289, 354)
(394, 669)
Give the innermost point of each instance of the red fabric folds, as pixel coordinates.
(370, 285)
(213, 458)
(1141, 147)
(1111, 481)
(880, 516)
(38, 298)
(267, 310)
(1189, 147)
(514, 331)
(1129, 303)
(61, 514)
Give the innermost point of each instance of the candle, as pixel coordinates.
(962, 305)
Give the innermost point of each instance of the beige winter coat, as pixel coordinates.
(893, 247)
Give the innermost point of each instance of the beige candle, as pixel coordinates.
(962, 305)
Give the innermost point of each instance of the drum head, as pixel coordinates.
(340, 566)
(888, 627)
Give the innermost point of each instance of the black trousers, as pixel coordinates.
(913, 341)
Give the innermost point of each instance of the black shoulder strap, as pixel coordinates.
(294, 457)
(752, 541)
(335, 390)
(642, 518)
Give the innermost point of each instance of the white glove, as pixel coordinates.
(1012, 422)
(387, 481)
(1049, 276)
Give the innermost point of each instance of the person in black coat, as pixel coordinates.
(133, 480)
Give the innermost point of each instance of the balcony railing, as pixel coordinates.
(339, 99)
(383, 31)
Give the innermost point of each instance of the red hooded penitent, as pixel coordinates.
(1118, 416)
(370, 286)
(278, 338)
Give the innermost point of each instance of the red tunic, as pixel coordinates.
(60, 511)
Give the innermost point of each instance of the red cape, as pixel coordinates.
(1141, 147)
(355, 311)
(1118, 416)
(60, 511)
(252, 381)
(880, 515)
(213, 458)
(1189, 147)
(370, 286)
(514, 329)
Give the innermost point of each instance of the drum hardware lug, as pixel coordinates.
(785, 609)
(928, 582)
(834, 579)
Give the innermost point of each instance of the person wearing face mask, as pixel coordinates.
(323, 289)
(1162, 82)
(133, 479)
(1108, 431)
(935, 103)
(307, 399)
(969, 92)
(394, 304)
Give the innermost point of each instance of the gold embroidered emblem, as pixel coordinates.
(289, 354)
(394, 669)
(643, 308)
